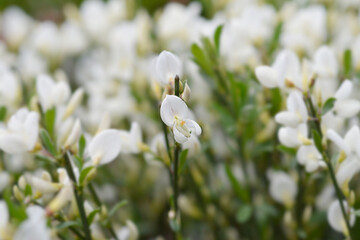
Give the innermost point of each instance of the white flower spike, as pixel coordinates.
(173, 113)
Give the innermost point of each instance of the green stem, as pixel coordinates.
(176, 176)
(338, 191)
(78, 197)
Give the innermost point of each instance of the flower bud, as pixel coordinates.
(74, 102)
(74, 135)
(186, 94)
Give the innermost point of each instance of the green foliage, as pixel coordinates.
(47, 142)
(347, 63)
(244, 213)
(328, 105)
(3, 111)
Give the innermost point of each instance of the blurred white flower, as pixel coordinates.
(4, 181)
(35, 224)
(167, 66)
(21, 133)
(15, 25)
(51, 93)
(294, 137)
(345, 106)
(350, 144)
(336, 219)
(105, 147)
(10, 88)
(310, 157)
(128, 232)
(173, 112)
(297, 112)
(130, 140)
(283, 188)
(285, 67)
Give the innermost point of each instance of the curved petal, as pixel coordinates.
(172, 106)
(4, 213)
(335, 217)
(12, 143)
(339, 141)
(347, 108)
(194, 126)
(179, 137)
(31, 128)
(105, 146)
(344, 90)
(287, 118)
(167, 66)
(267, 76)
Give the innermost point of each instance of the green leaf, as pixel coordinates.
(347, 63)
(276, 101)
(47, 142)
(275, 38)
(49, 121)
(84, 173)
(183, 156)
(244, 213)
(286, 150)
(82, 144)
(78, 162)
(68, 224)
(328, 105)
(117, 207)
(28, 190)
(217, 36)
(3, 111)
(239, 190)
(92, 215)
(317, 140)
(201, 59)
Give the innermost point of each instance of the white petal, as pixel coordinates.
(267, 76)
(31, 127)
(172, 106)
(335, 217)
(352, 139)
(289, 137)
(287, 118)
(12, 143)
(44, 87)
(339, 141)
(136, 136)
(347, 170)
(194, 126)
(344, 90)
(167, 66)
(179, 137)
(347, 108)
(74, 135)
(295, 103)
(287, 65)
(325, 63)
(105, 146)
(4, 213)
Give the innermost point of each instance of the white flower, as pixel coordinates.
(286, 66)
(131, 139)
(35, 224)
(15, 26)
(105, 147)
(350, 144)
(173, 112)
(310, 157)
(74, 134)
(21, 133)
(4, 180)
(294, 137)
(193, 145)
(325, 63)
(297, 112)
(345, 106)
(336, 219)
(167, 66)
(51, 93)
(283, 188)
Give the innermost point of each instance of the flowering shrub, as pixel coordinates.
(215, 119)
